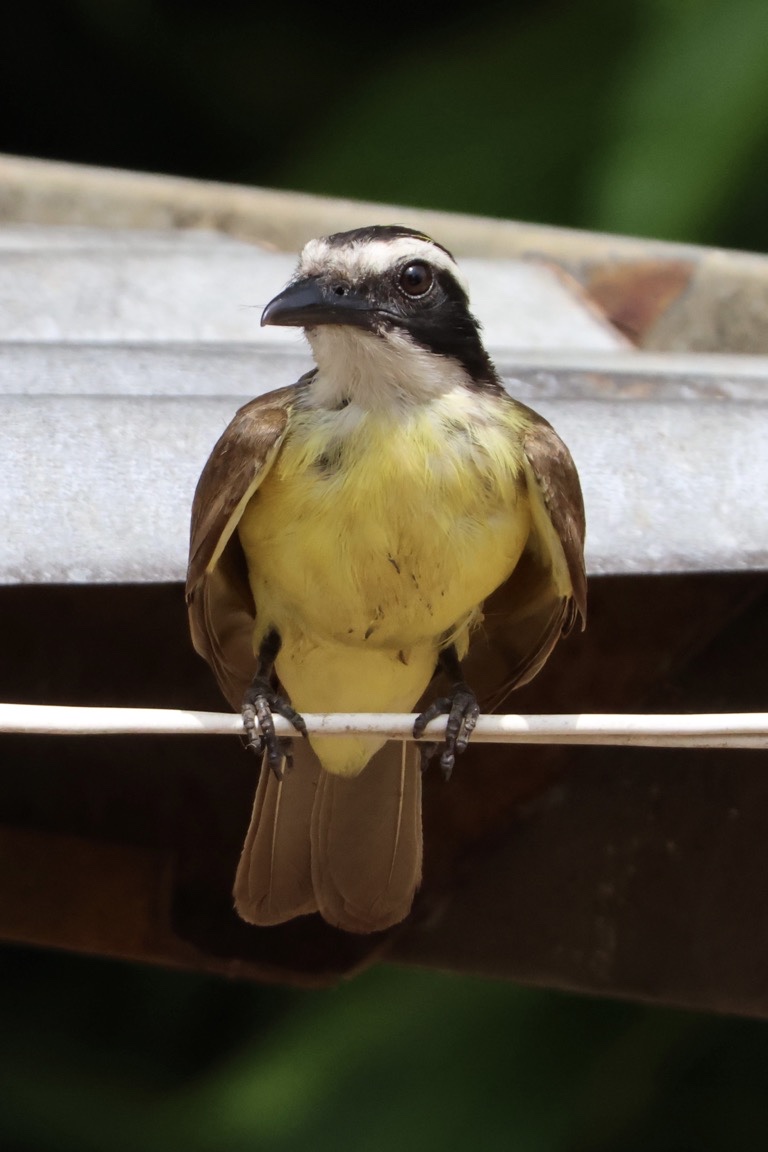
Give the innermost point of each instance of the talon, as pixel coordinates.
(447, 761)
(437, 708)
(260, 704)
(462, 710)
(427, 752)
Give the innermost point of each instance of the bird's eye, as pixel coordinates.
(416, 278)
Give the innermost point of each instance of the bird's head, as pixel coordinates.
(386, 302)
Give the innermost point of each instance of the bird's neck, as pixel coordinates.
(378, 373)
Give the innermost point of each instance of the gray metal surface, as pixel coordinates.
(82, 285)
(100, 487)
(123, 356)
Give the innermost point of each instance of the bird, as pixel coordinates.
(393, 520)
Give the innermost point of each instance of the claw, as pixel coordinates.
(462, 710)
(260, 704)
(427, 752)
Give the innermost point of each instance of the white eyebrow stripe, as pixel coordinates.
(374, 258)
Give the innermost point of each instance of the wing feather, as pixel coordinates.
(558, 507)
(219, 600)
(541, 600)
(240, 460)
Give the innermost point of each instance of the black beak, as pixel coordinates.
(312, 301)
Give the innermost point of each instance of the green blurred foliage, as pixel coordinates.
(644, 116)
(97, 1055)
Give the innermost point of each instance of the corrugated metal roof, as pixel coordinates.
(123, 354)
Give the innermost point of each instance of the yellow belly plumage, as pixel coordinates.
(371, 544)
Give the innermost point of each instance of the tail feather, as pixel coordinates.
(367, 841)
(348, 848)
(274, 877)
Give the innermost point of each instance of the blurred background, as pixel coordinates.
(645, 117)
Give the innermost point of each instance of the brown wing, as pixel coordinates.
(221, 608)
(526, 616)
(553, 483)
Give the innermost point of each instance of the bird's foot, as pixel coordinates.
(462, 710)
(261, 703)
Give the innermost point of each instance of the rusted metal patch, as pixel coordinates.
(634, 295)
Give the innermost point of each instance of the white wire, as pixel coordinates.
(724, 730)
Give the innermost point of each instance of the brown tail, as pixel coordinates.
(348, 848)
(273, 881)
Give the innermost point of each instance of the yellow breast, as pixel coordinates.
(378, 530)
(380, 534)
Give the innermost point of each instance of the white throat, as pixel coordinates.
(378, 372)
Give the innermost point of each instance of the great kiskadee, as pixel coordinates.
(392, 515)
